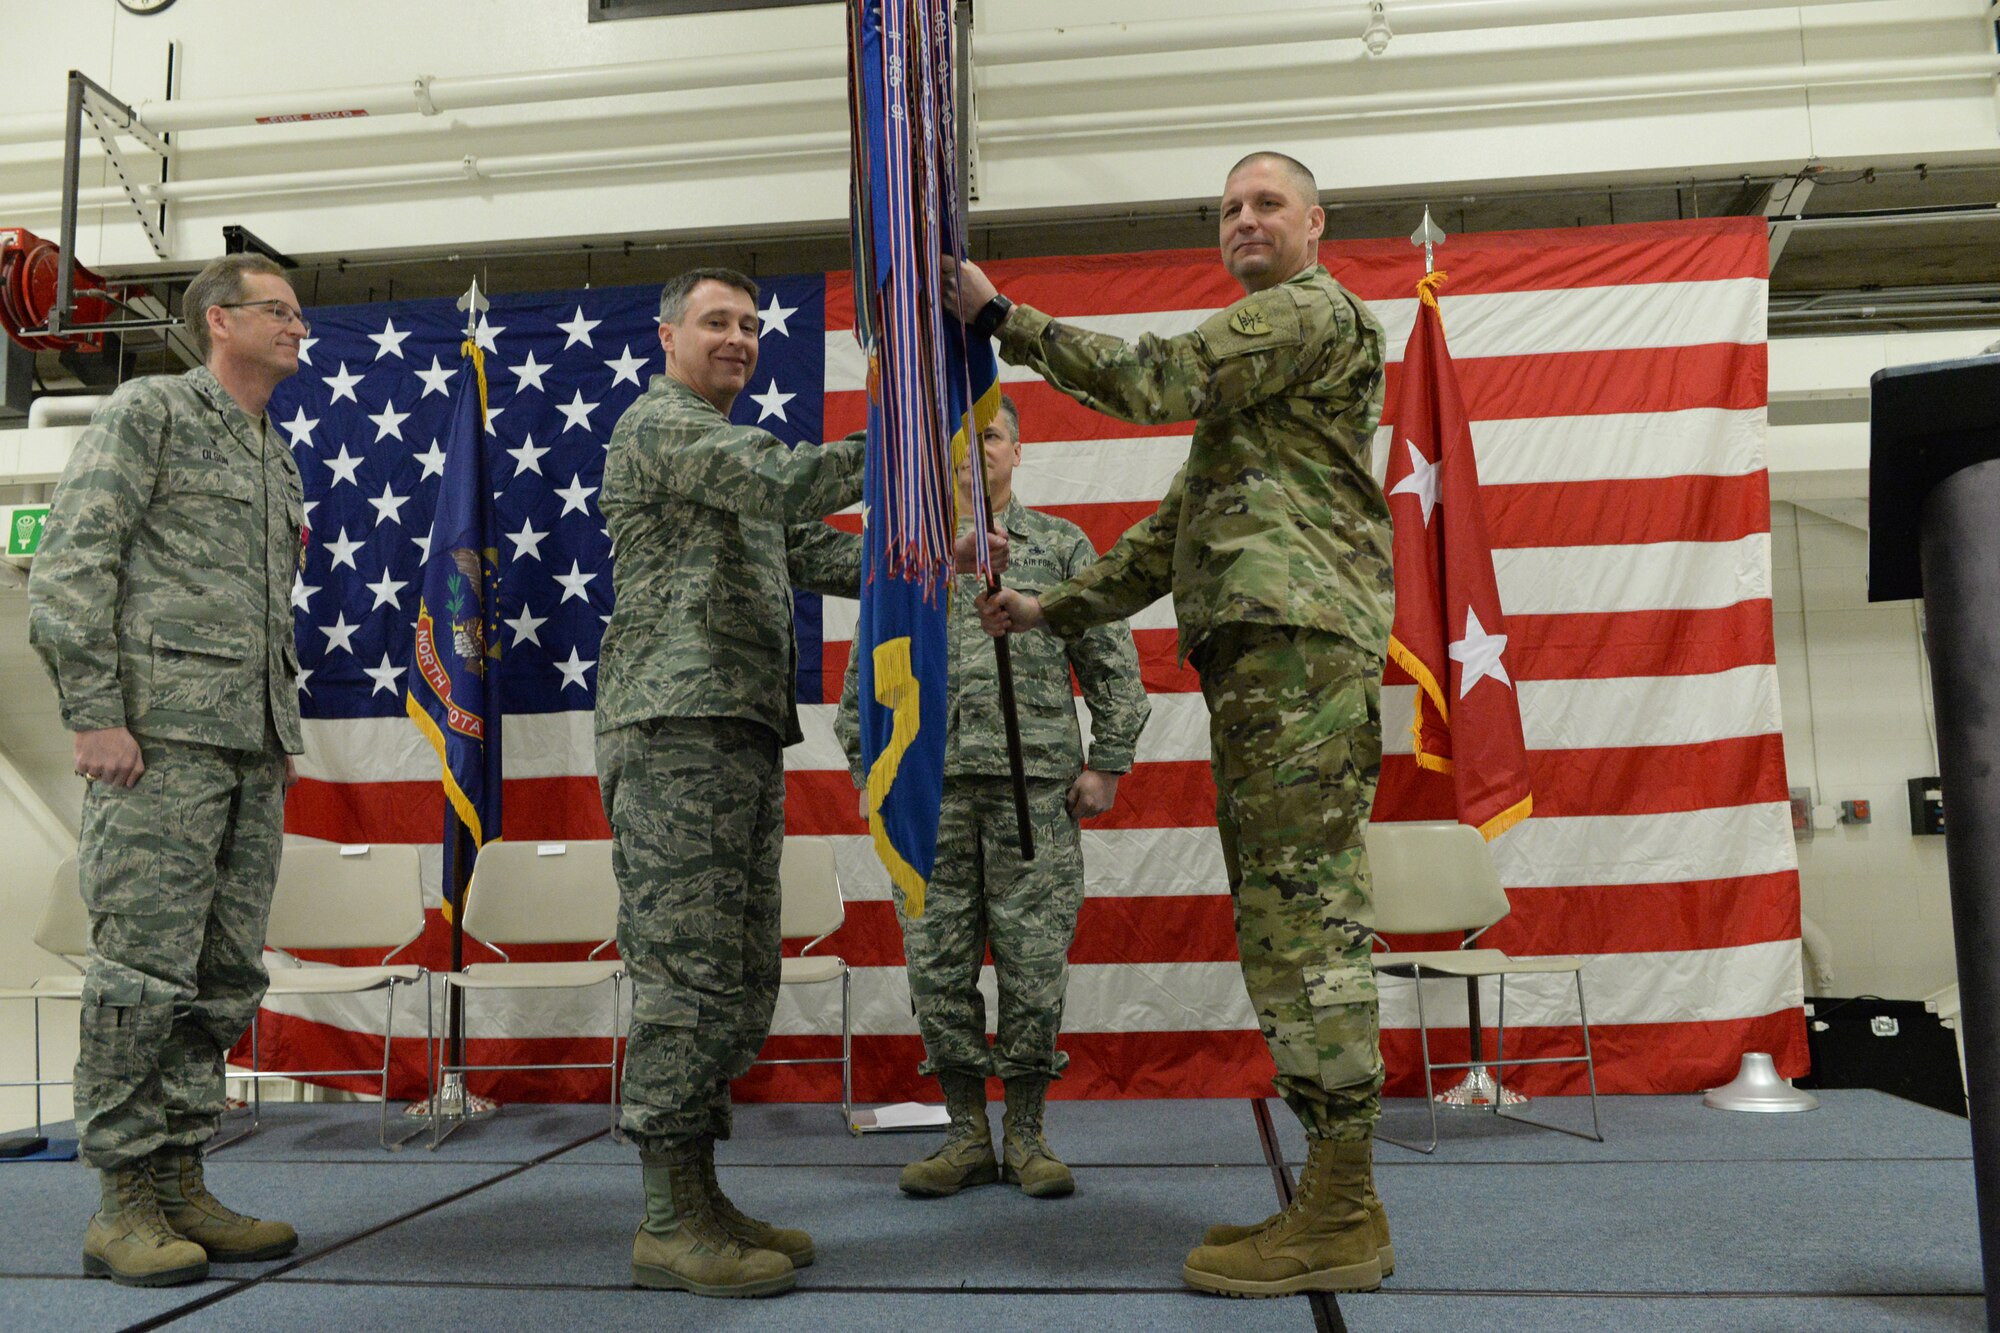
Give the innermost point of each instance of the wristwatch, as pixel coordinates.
(991, 316)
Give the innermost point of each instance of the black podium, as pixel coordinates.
(1934, 532)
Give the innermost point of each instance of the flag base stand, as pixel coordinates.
(901, 1117)
(453, 1102)
(1478, 1093)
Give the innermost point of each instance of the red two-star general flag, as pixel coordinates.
(1449, 632)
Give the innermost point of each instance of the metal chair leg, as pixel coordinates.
(1430, 1092)
(846, 1049)
(617, 1093)
(1597, 1129)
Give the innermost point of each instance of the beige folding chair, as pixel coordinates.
(64, 933)
(333, 897)
(811, 908)
(540, 893)
(1433, 877)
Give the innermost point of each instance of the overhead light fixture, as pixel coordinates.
(1376, 35)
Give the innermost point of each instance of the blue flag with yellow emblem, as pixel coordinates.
(931, 389)
(454, 693)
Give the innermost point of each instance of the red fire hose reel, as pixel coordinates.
(28, 266)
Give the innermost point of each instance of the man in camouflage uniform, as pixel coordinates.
(1274, 541)
(161, 606)
(713, 525)
(980, 891)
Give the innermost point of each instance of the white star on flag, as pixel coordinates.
(771, 403)
(388, 422)
(299, 681)
(342, 550)
(487, 335)
(339, 633)
(384, 676)
(305, 350)
(437, 379)
(576, 412)
(626, 367)
(525, 626)
(493, 415)
(385, 590)
(432, 460)
(342, 385)
(527, 542)
(388, 506)
(574, 495)
(527, 458)
(300, 427)
(301, 594)
(578, 330)
(389, 342)
(343, 465)
(423, 545)
(572, 670)
(1479, 652)
(529, 374)
(775, 315)
(1422, 481)
(309, 506)
(574, 583)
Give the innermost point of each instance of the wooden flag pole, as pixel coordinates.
(1003, 657)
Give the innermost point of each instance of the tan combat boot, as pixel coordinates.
(1228, 1233)
(794, 1244)
(1323, 1242)
(226, 1235)
(130, 1243)
(682, 1246)
(966, 1157)
(1024, 1152)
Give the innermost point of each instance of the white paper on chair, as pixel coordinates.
(901, 1115)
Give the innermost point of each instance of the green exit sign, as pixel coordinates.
(24, 529)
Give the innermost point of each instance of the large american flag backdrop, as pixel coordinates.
(1616, 382)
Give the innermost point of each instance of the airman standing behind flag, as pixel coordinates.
(980, 891)
(161, 605)
(1274, 541)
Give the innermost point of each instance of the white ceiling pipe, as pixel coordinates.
(1502, 97)
(428, 95)
(827, 143)
(74, 409)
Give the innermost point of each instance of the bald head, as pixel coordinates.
(1290, 169)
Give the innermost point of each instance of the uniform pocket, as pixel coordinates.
(194, 667)
(664, 1006)
(1346, 1034)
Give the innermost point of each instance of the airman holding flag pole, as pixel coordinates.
(1274, 541)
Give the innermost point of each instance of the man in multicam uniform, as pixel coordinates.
(161, 606)
(713, 526)
(980, 891)
(1274, 540)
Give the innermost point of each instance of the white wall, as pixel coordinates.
(1858, 725)
(1053, 133)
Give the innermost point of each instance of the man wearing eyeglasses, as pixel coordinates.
(160, 604)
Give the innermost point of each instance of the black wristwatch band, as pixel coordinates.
(991, 316)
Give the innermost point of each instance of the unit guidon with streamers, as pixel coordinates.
(1615, 383)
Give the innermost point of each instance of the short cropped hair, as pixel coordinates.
(1013, 415)
(1300, 174)
(218, 284)
(674, 296)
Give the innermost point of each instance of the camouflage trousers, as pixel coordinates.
(697, 811)
(177, 873)
(1295, 735)
(982, 893)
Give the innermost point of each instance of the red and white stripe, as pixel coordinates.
(1616, 381)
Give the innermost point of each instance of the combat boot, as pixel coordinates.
(1024, 1151)
(129, 1241)
(682, 1245)
(1228, 1233)
(966, 1157)
(794, 1244)
(1323, 1242)
(226, 1235)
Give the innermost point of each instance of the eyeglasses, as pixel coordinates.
(277, 310)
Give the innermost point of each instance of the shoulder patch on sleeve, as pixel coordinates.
(1258, 322)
